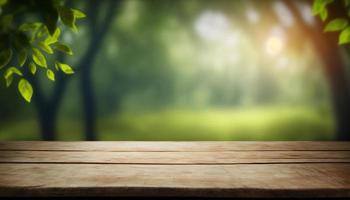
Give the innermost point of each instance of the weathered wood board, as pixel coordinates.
(188, 169)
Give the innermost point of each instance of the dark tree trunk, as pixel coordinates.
(89, 106)
(48, 126)
(48, 110)
(98, 33)
(335, 72)
(326, 45)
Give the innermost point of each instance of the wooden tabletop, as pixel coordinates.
(189, 169)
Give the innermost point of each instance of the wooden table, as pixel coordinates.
(188, 169)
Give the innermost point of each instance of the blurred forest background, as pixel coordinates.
(190, 70)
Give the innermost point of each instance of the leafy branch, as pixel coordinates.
(26, 43)
(339, 24)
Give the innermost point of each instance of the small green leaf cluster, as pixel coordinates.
(334, 25)
(319, 7)
(28, 44)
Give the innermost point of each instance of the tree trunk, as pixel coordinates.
(48, 126)
(336, 74)
(89, 107)
(326, 45)
(98, 33)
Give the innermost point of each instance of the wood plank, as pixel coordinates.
(174, 146)
(247, 180)
(228, 157)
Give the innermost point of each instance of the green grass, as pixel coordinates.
(266, 123)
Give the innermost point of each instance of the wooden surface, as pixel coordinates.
(189, 169)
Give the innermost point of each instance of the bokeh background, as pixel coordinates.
(188, 70)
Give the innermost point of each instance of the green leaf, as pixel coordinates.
(32, 68)
(63, 48)
(5, 57)
(45, 47)
(12, 70)
(42, 31)
(22, 56)
(53, 38)
(26, 90)
(74, 28)
(39, 58)
(56, 66)
(336, 25)
(67, 16)
(316, 7)
(8, 75)
(319, 7)
(65, 68)
(9, 80)
(344, 36)
(78, 14)
(50, 75)
(29, 26)
(324, 14)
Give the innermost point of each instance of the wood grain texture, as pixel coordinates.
(180, 180)
(227, 157)
(189, 169)
(175, 146)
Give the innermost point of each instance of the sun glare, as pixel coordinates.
(274, 45)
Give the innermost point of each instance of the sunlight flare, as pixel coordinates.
(274, 45)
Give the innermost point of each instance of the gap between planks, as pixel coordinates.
(135, 151)
(189, 164)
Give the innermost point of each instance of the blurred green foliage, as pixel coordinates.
(254, 123)
(157, 78)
